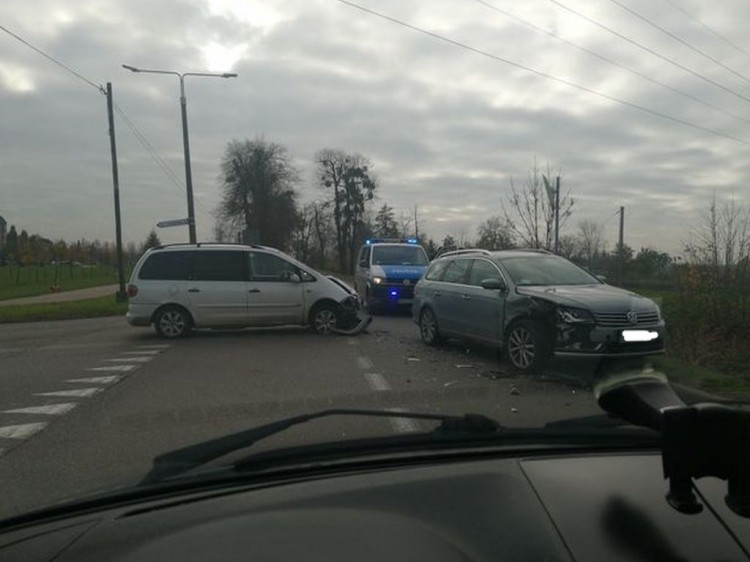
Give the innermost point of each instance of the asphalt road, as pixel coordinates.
(85, 405)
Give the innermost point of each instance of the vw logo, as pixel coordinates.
(632, 317)
(407, 282)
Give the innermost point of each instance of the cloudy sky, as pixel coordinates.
(446, 127)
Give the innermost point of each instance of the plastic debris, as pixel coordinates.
(412, 359)
(450, 383)
(513, 410)
(464, 366)
(514, 391)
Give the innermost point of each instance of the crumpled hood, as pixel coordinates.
(595, 298)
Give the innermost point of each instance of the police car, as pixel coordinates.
(387, 270)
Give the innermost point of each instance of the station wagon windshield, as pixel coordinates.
(398, 255)
(547, 271)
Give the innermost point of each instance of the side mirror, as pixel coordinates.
(493, 284)
(295, 278)
(364, 264)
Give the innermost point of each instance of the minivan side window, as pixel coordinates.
(456, 271)
(220, 265)
(168, 266)
(265, 267)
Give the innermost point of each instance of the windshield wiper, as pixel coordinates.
(183, 460)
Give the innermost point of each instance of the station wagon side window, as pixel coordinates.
(481, 270)
(456, 271)
(219, 265)
(269, 268)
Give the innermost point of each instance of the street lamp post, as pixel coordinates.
(185, 137)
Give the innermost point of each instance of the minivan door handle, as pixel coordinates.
(194, 290)
(254, 291)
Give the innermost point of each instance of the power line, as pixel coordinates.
(708, 28)
(612, 62)
(54, 60)
(540, 73)
(141, 138)
(679, 39)
(649, 50)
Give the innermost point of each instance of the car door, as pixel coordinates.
(275, 291)
(217, 289)
(447, 300)
(483, 309)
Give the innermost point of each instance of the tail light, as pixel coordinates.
(132, 291)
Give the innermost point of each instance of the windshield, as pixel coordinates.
(539, 270)
(398, 255)
(191, 190)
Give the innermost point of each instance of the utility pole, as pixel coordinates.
(557, 214)
(620, 246)
(121, 295)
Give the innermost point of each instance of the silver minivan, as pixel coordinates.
(184, 286)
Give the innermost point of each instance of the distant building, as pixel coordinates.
(3, 232)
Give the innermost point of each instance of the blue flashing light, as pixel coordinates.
(394, 293)
(368, 242)
(412, 241)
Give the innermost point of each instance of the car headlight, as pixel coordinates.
(574, 316)
(377, 280)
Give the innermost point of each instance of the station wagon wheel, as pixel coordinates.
(526, 346)
(428, 327)
(172, 322)
(324, 319)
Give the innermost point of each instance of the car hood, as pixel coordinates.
(596, 298)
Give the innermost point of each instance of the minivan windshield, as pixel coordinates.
(547, 270)
(399, 255)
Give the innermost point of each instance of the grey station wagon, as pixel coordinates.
(535, 305)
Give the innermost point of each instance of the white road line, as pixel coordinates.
(364, 363)
(143, 352)
(135, 359)
(118, 368)
(22, 431)
(97, 380)
(66, 346)
(49, 410)
(377, 381)
(162, 346)
(402, 425)
(78, 392)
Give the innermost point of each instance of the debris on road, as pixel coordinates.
(514, 391)
(464, 366)
(513, 410)
(451, 383)
(413, 359)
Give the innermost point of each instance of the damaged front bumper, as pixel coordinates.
(352, 322)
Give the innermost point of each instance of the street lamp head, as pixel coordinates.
(229, 75)
(131, 68)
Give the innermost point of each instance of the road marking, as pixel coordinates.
(364, 363)
(49, 410)
(143, 352)
(22, 431)
(136, 359)
(377, 381)
(402, 425)
(97, 380)
(78, 392)
(119, 368)
(162, 346)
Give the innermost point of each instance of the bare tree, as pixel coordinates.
(495, 234)
(531, 214)
(590, 240)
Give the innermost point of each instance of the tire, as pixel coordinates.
(428, 328)
(527, 347)
(172, 322)
(324, 318)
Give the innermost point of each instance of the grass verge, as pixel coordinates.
(32, 280)
(702, 378)
(70, 310)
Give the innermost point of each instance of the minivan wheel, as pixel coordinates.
(428, 327)
(527, 347)
(324, 319)
(172, 322)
